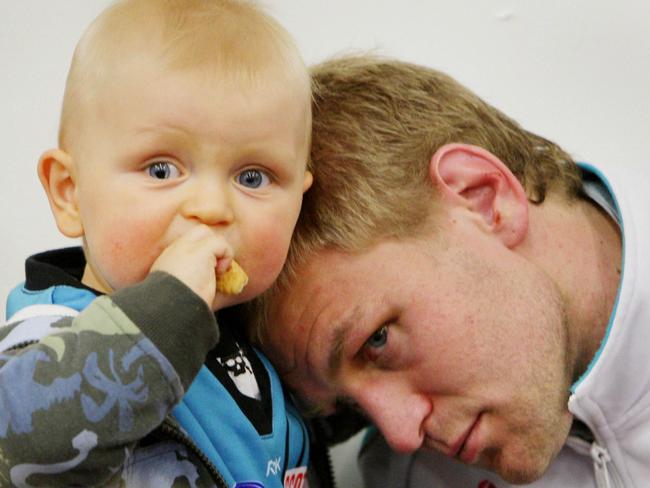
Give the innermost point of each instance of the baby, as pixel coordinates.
(183, 145)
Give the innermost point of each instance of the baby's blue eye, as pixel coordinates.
(378, 338)
(253, 178)
(163, 170)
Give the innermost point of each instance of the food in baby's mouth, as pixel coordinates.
(233, 281)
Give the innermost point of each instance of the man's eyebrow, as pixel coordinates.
(340, 335)
(336, 354)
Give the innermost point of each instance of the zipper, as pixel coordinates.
(607, 476)
(320, 462)
(21, 345)
(330, 467)
(168, 428)
(601, 457)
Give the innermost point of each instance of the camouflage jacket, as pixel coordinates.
(88, 386)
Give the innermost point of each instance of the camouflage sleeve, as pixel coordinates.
(75, 400)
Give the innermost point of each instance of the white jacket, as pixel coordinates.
(612, 398)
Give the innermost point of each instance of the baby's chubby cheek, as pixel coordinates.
(121, 257)
(263, 262)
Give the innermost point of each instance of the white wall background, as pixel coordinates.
(574, 71)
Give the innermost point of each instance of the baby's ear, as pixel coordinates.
(57, 174)
(476, 179)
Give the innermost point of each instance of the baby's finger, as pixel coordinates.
(223, 264)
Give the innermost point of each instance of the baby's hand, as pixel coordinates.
(196, 258)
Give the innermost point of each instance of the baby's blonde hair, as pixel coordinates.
(233, 39)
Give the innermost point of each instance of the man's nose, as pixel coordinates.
(210, 202)
(397, 412)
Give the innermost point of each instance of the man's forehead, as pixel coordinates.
(316, 381)
(311, 281)
(303, 308)
(329, 290)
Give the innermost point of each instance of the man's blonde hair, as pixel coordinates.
(376, 125)
(233, 39)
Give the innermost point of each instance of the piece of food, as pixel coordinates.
(233, 281)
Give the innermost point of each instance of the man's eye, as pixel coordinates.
(379, 338)
(253, 178)
(163, 170)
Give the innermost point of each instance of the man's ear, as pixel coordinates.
(475, 178)
(57, 174)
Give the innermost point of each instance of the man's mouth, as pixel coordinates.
(463, 448)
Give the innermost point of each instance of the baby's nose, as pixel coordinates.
(209, 203)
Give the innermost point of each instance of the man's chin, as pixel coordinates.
(519, 470)
(517, 477)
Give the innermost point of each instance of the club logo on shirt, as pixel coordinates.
(240, 370)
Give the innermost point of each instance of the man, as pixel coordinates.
(466, 286)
